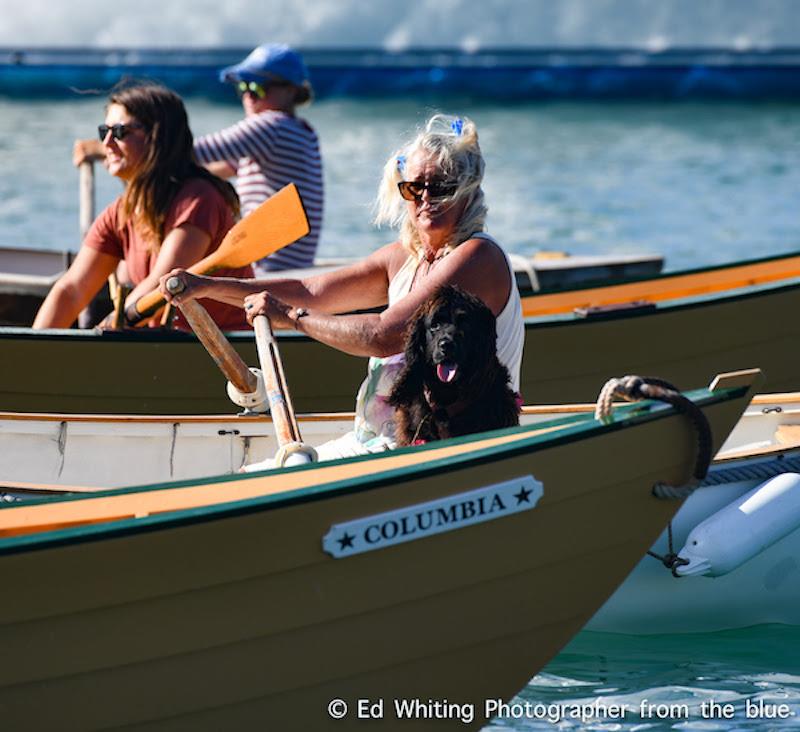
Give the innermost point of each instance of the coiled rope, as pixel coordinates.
(636, 388)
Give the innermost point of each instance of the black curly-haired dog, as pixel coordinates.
(452, 383)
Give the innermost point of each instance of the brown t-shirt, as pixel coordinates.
(197, 203)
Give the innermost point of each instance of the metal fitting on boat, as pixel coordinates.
(295, 453)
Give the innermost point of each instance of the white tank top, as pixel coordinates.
(374, 416)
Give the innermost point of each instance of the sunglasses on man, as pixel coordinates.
(118, 131)
(251, 87)
(413, 190)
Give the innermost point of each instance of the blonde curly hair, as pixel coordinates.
(453, 143)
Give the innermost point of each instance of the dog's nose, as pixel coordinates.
(446, 344)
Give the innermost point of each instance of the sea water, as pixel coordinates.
(700, 183)
(747, 679)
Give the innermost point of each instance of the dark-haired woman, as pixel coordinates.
(172, 213)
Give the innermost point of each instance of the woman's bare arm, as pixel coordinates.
(476, 266)
(75, 289)
(182, 247)
(358, 286)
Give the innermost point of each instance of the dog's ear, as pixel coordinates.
(416, 337)
(482, 334)
(411, 379)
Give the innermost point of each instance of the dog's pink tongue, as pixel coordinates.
(446, 371)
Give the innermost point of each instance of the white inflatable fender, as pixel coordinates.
(743, 529)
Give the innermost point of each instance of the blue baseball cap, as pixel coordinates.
(269, 60)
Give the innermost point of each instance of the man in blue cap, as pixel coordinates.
(271, 147)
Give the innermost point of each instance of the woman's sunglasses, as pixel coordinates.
(118, 131)
(412, 190)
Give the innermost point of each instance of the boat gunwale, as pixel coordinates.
(728, 269)
(577, 427)
(664, 307)
(532, 322)
(311, 417)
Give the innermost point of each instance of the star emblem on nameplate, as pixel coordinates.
(420, 520)
(524, 495)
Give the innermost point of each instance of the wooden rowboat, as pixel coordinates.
(259, 600)
(692, 324)
(26, 275)
(86, 454)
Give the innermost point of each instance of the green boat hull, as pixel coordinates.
(567, 358)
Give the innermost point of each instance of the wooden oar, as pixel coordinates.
(292, 450)
(209, 334)
(86, 211)
(86, 185)
(279, 221)
(248, 387)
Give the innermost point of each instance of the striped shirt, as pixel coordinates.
(269, 150)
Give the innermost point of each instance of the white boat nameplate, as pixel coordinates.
(433, 517)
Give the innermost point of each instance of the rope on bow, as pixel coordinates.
(670, 560)
(636, 388)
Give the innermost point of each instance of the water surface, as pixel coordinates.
(731, 680)
(700, 183)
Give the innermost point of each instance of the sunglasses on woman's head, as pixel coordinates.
(118, 131)
(412, 190)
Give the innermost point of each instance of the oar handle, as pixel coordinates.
(209, 334)
(86, 184)
(146, 305)
(283, 417)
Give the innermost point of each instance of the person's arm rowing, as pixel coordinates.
(359, 286)
(182, 247)
(476, 266)
(75, 289)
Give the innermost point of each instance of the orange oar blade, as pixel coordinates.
(261, 233)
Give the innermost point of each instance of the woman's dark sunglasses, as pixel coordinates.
(412, 190)
(118, 132)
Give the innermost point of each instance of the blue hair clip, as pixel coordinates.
(457, 125)
(401, 163)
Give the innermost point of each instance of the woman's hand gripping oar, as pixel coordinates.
(251, 388)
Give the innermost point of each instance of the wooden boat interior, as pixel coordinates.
(111, 505)
(130, 503)
(665, 287)
(769, 427)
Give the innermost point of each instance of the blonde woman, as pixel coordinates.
(431, 191)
